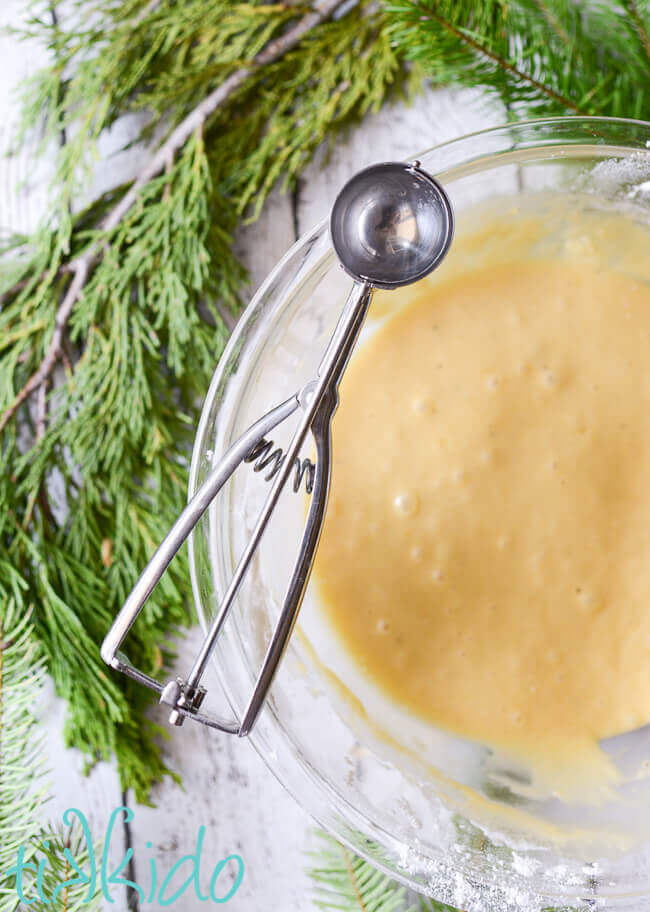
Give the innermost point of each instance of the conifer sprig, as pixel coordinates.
(22, 674)
(541, 57)
(162, 159)
(112, 316)
(345, 882)
(23, 786)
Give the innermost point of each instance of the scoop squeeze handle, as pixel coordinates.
(390, 225)
(318, 399)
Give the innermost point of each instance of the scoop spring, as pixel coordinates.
(263, 455)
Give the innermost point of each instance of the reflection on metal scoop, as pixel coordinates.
(390, 225)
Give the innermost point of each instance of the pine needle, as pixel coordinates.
(112, 315)
(540, 57)
(22, 675)
(23, 787)
(62, 855)
(345, 882)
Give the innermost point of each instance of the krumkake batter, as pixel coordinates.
(486, 552)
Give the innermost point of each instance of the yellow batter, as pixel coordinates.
(486, 554)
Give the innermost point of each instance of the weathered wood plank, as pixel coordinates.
(244, 809)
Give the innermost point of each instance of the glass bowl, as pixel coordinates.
(428, 808)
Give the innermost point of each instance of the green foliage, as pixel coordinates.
(23, 788)
(541, 57)
(432, 905)
(316, 100)
(345, 882)
(22, 673)
(62, 854)
(97, 456)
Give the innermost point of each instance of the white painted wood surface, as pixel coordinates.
(226, 786)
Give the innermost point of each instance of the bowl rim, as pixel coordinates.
(572, 894)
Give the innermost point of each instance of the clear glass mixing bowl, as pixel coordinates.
(428, 808)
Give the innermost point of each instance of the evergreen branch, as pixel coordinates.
(22, 284)
(22, 674)
(501, 62)
(640, 26)
(79, 268)
(542, 57)
(553, 21)
(344, 882)
(347, 883)
(160, 160)
(354, 879)
(428, 11)
(508, 67)
(215, 100)
(139, 345)
(57, 852)
(41, 415)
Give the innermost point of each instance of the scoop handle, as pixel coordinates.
(318, 400)
(331, 369)
(169, 547)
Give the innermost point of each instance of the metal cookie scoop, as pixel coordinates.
(390, 225)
